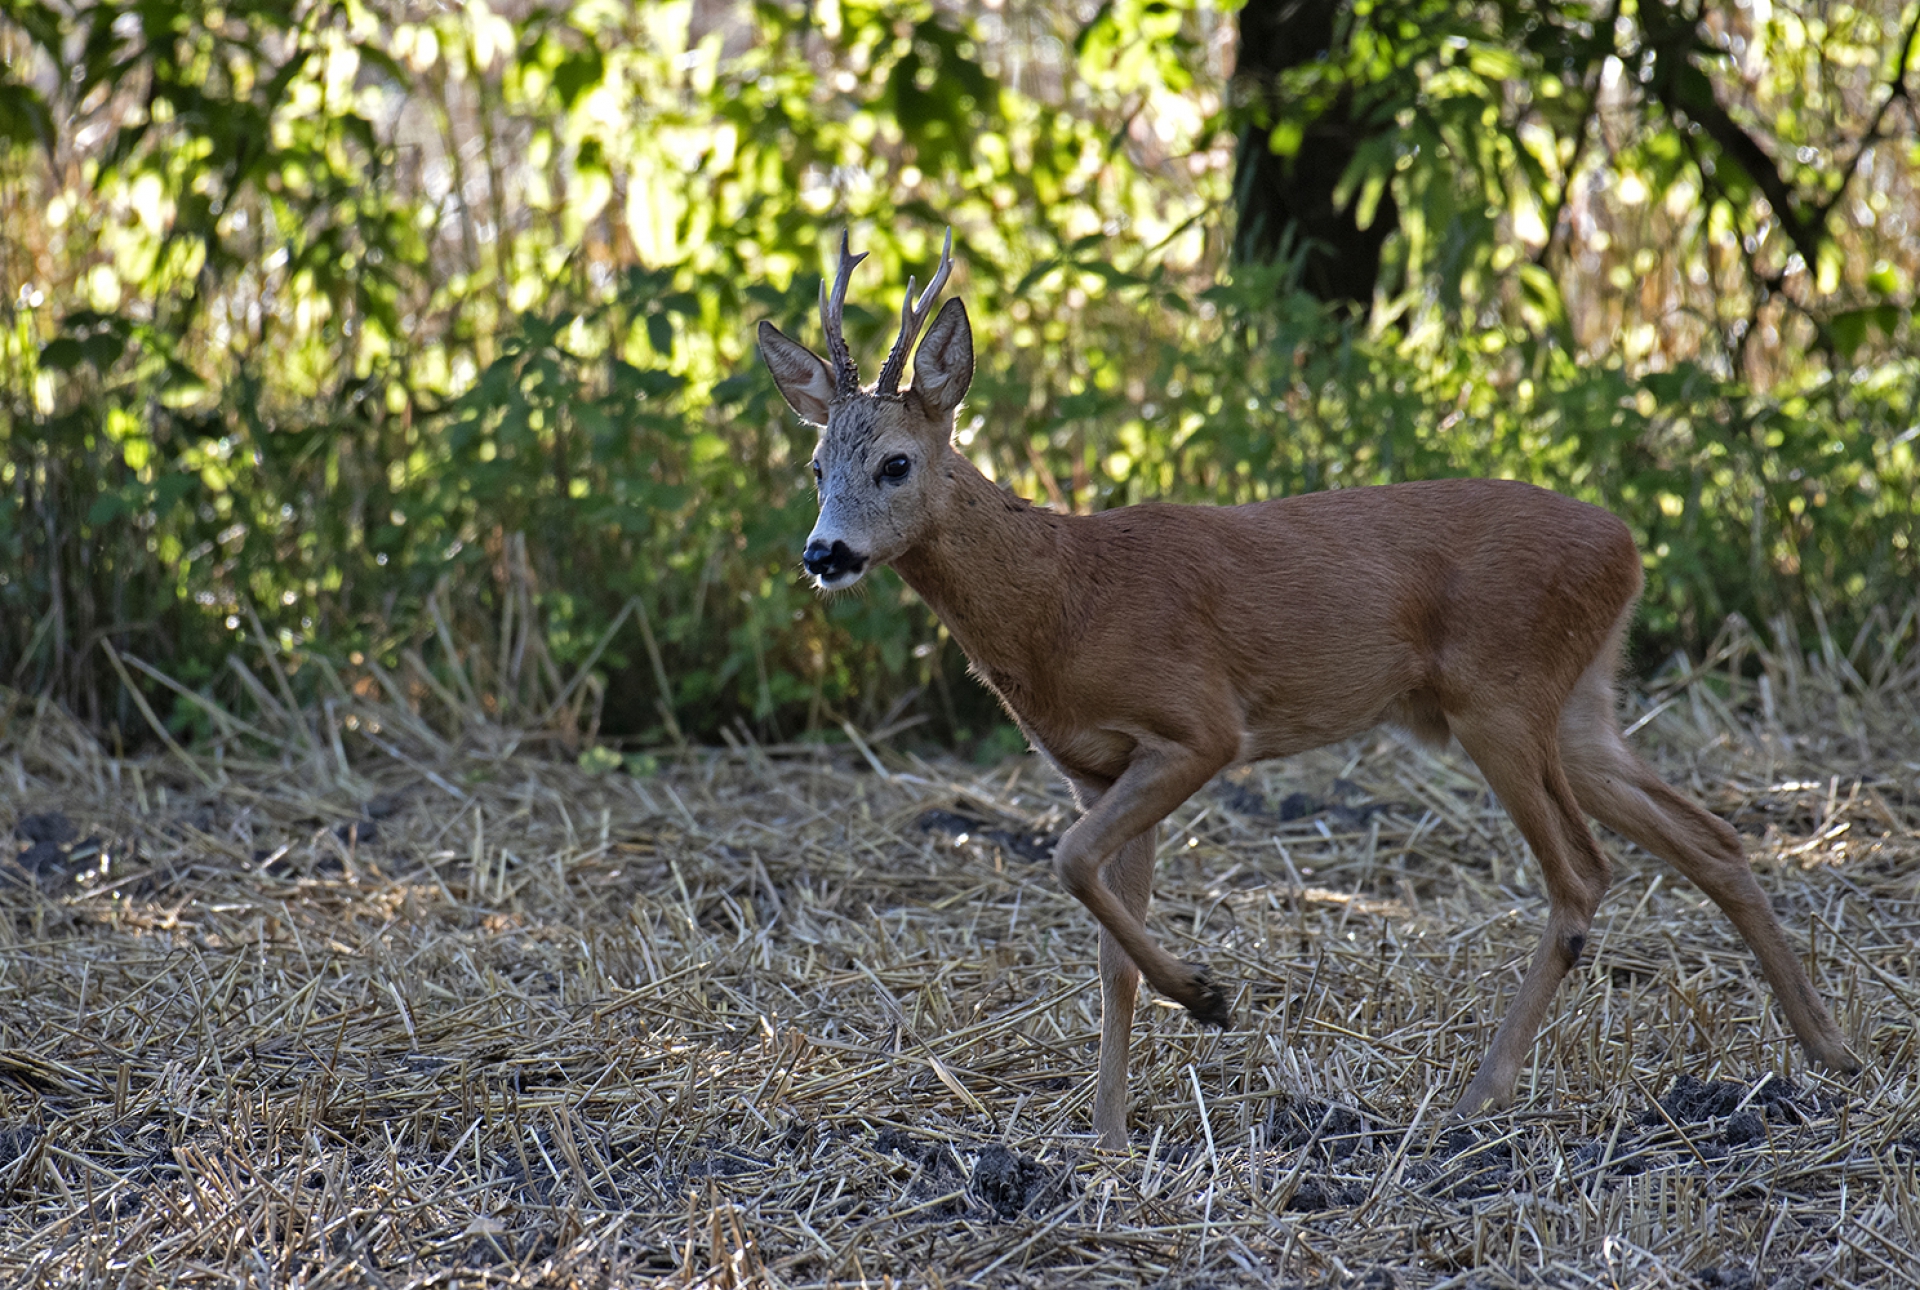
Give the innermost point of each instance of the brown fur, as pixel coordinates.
(1146, 649)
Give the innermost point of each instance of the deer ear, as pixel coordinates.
(803, 377)
(943, 367)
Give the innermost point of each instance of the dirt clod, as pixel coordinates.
(1009, 1182)
(1315, 1194)
(1298, 806)
(363, 833)
(1745, 1127)
(43, 859)
(1035, 848)
(49, 826)
(18, 1141)
(1692, 1100)
(385, 806)
(1335, 1132)
(931, 1156)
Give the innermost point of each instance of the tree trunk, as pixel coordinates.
(1288, 202)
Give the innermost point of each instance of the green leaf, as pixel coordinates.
(660, 334)
(63, 354)
(600, 759)
(103, 349)
(1494, 62)
(170, 488)
(1033, 276)
(1851, 328)
(735, 387)
(577, 73)
(24, 117)
(656, 383)
(1112, 276)
(105, 507)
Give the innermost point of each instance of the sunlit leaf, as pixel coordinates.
(1851, 328)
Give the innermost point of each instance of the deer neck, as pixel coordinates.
(992, 568)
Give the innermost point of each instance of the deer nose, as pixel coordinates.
(824, 561)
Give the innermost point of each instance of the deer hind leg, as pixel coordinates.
(1623, 793)
(1129, 876)
(1522, 765)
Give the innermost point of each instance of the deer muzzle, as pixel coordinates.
(833, 565)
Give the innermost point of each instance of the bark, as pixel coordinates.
(1288, 202)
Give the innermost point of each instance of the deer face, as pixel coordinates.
(877, 462)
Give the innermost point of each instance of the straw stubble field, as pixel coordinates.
(452, 1014)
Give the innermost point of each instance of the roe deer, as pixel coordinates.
(1148, 648)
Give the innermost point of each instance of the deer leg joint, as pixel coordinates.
(1211, 1007)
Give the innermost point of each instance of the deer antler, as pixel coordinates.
(913, 316)
(846, 376)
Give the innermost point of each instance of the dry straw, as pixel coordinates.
(371, 994)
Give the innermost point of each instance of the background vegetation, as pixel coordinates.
(372, 336)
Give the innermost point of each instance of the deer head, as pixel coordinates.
(878, 461)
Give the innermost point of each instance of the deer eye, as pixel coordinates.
(895, 469)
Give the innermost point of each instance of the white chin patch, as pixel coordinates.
(841, 581)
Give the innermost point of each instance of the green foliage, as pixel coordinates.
(359, 323)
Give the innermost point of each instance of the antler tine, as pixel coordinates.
(913, 316)
(846, 375)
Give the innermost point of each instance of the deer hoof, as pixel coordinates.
(1211, 1008)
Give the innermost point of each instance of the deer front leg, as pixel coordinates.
(1130, 877)
(1158, 779)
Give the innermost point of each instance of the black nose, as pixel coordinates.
(823, 561)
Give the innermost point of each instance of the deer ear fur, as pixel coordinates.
(802, 376)
(943, 366)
